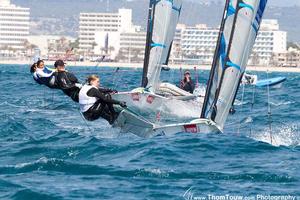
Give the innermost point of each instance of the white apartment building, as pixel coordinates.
(270, 40)
(14, 26)
(197, 44)
(132, 46)
(96, 28)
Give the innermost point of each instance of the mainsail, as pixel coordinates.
(162, 21)
(240, 24)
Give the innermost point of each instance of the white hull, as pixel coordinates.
(129, 122)
(157, 107)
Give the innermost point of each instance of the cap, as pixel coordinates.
(59, 63)
(187, 72)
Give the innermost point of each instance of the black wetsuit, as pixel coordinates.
(103, 107)
(66, 82)
(187, 86)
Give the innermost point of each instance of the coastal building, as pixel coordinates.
(196, 45)
(53, 47)
(289, 58)
(113, 35)
(100, 31)
(132, 46)
(14, 28)
(270, 40)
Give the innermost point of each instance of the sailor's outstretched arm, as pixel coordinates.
(107, 90)
(105, 98)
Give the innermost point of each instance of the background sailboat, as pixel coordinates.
(154, 98)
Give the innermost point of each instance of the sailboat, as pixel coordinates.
(154, 97)
(238, 31)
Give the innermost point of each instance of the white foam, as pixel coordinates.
(282, 103)
(42, 160)
(287, 135)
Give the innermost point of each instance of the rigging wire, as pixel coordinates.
(252, 107)
(242, 109)
(86, 124)
(269, 111)
(196, 77)
(180, 74)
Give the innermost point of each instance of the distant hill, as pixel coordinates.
(61, 16)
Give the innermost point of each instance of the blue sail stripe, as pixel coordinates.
(231, 64)
(231, 10)
(244, 5)
(158, 45)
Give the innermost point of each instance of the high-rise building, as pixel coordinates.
(99, 29)
(270, 40)
(197, 44)
(132, 46)
(14, 26)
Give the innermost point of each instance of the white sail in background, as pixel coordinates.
(238, 32)
(162, 21)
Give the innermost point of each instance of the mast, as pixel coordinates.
(148, 42)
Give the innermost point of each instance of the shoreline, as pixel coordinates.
(140, 65)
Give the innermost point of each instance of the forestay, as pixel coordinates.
(240, 24)
(162, 21)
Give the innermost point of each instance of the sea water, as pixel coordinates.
(47, 150)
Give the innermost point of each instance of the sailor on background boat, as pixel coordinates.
(95, 104)
(249, 79)
(43, 75)
(187, 83)
(67, 81)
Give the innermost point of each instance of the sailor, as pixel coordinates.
(67, 81)
(249, 79)
(95, 104)
(187, 83)
(43, 75)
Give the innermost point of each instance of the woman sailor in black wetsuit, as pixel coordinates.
(95, 103)
(67, 81)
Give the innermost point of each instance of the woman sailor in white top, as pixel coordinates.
(95, 104)
(43, 75)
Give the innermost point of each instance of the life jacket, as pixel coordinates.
(85, 101)
(45, 76)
